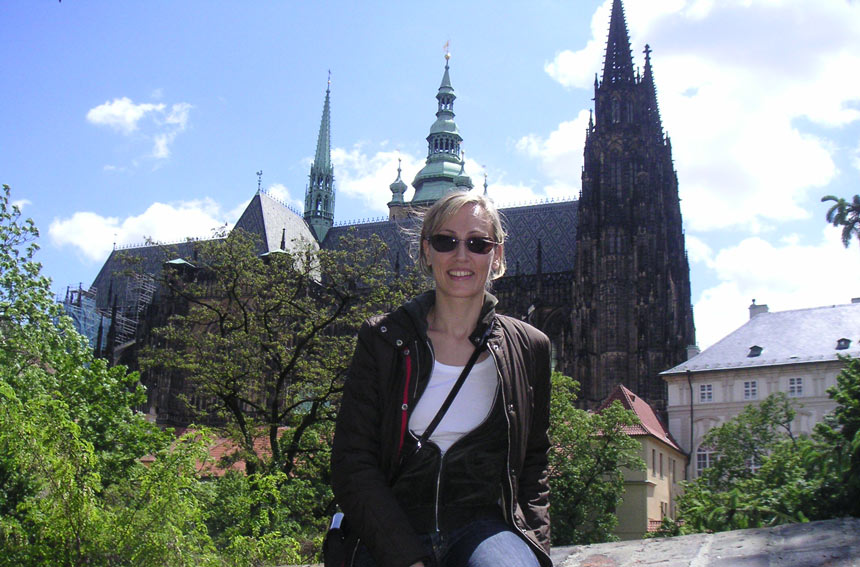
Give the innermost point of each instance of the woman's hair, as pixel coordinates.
(447, 207)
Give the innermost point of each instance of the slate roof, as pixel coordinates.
(650, 424)
(552, 224)
(272, 219)
(785, 337)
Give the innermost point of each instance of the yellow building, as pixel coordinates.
(650, 494)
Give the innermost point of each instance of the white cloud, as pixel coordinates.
(359, 173)
(787, 275)
(734, 94)
(560, 155)
(280, 192)
(21, 203)
(126, 117)
(121, 114)
(94, 235)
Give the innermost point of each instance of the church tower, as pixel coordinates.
(319, 196)
(632, 316)
(444, 168)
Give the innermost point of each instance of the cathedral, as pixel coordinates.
(606, 276)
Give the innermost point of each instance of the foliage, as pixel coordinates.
(841, 433)
(266, 341)
(845, 214)
(799, 478)
(72, 489)
(589, 451)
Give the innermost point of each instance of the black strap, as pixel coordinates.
(450, 399)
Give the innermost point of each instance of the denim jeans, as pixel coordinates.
(483, 543)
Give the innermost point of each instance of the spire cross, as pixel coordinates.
(647, 51)
(329, 80)
(259, 180)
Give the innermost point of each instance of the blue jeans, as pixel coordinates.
(483, 543)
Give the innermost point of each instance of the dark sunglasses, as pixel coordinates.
(475, 244)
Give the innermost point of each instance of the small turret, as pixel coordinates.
(397, 208)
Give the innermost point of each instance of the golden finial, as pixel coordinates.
(447, 50)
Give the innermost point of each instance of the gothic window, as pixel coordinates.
(318, 205)
(616, 111)
(629, 111)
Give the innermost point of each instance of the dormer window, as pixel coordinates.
(755, 350)
(843, 344)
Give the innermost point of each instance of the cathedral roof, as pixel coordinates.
(784, 337)
(274, 222)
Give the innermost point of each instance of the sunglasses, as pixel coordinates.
(475, 244)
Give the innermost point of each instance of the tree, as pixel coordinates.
(589, 451)
(267, 340)
(764, 475)
(72, 488)
(844, 214)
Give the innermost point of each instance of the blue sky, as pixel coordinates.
(124, 120)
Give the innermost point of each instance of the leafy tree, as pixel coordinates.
(841, 432)
(766, 476)
(267, 340)
(72, 489)
(589, 451)
(845, 214)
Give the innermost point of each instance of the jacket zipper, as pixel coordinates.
(506, 506)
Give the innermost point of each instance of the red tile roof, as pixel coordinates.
(650, 424)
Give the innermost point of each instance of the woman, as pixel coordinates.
(477, 493)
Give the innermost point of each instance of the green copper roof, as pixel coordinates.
(322, 159)
(443, 170)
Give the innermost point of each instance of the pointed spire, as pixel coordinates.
(322, 159)
(319, 196)
(652, 110)
(618, 64)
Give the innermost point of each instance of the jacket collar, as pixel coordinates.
(418, 308)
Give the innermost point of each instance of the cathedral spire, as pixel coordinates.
(618, 64)
(319, 196)
(652, 110)
(443, 169)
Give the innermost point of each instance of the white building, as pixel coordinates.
(795, 352)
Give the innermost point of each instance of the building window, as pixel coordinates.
(704, 459)
(755, 350)
(843, 344)
(674, 472)
(661, 465)
(706, 393)
(654, 462)
(751, 390)
(795, 387)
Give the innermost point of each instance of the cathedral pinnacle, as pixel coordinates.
(618, 64)
(319, 196)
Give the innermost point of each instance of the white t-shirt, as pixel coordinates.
(470, 408)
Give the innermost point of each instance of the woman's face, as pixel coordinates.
(461, 273)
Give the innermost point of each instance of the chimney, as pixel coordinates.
(756, 309)
(692, 350)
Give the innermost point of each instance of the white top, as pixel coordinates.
(470, 408)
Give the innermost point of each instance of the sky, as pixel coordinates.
(121, 121)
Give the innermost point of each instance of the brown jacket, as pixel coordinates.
(390, 368)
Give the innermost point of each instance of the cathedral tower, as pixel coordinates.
(319, 196)
(444, 168)
(632, 316)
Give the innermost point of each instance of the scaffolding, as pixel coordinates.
(95, 323)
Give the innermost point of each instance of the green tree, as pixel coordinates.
(840, 431)
(764, 475)
(589, 451)
(845, 214)
(72, 489)
(267, 340)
